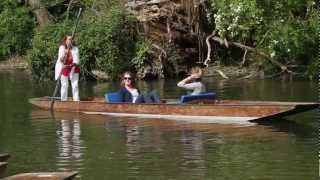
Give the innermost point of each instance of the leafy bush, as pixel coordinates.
(291, 33)
(286, 30)
(16, 30)
(105, 42)
(235, 19)
(141, 54)
(44, 53)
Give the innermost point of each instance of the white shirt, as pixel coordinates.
(134, 93)
(197, 87)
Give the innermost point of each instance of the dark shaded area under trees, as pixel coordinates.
(163, 38)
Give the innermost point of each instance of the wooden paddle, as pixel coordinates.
(64, 61)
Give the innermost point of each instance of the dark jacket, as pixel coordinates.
(125, 95)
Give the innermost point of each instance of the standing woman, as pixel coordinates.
(68, 67)
(193, 81)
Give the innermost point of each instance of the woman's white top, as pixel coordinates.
(59, 64)
(134, 93)
(197, 87)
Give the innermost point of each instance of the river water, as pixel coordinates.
(104, 147)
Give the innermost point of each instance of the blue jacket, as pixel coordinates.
(125, 95)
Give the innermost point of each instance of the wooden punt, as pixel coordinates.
(4, 157)
(205, 111)
(43, 176)
(3, 166)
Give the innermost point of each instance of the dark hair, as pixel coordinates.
(133, 81)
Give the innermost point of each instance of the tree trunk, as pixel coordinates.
(39, 11)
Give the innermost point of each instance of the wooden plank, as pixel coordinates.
(43, 175)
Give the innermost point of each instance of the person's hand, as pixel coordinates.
(69, 45)
(194, 76)
(64, 56)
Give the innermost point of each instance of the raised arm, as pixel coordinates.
(184, 83)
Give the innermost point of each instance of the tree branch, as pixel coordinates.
(282, 67)
(68, 9)
(208, 59)
(222, 74)
(244, 58)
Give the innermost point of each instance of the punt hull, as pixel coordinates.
(223, 110)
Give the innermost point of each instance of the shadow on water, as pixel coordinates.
(288, 126)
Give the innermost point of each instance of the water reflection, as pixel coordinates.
(193, 154)
(153, 144)
(145, 148)
(70, 145)
(146, 144)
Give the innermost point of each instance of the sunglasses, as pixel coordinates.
(127, 78)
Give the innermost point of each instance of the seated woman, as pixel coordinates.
(193, 82)
(129, 93)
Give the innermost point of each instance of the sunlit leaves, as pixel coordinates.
(284, 29)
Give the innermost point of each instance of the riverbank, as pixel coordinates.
(215, 69)
(14, 63)
(19, 63)
(231, 72)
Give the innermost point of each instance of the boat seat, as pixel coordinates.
(203, 96)
(113, 97)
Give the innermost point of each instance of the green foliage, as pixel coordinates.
(16, 30)
(44, 53)
(141, 55)
(236, 18)
(105, 43)
(8, 4)
(288, 44)
(286, 30)
(290, 33)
